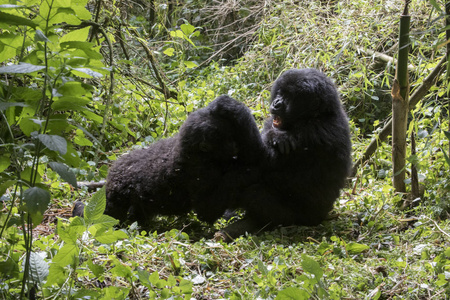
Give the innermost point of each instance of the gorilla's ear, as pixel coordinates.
(205, 146)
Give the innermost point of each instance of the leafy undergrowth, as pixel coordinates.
(368, 249)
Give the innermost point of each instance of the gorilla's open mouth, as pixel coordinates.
(277, 122)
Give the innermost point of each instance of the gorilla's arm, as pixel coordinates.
(246, 132)
(277, 139)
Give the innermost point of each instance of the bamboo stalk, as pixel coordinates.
(400, 99)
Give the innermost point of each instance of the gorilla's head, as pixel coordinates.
(207, 137)
(301, 94)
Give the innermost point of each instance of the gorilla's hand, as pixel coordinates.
(283, 142)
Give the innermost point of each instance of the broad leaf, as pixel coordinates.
(70, 103)
(5, 105)
(447, 134)
(5, 161)
(447, 158)
(67, 255)
(80, 35)
(36, 200)
(169, 51)
(9, 267)
(65, 173)
(110, 236)
(187, 29)
(40, 36)
(86, 73)
(54, 142)
(121, 270)
(95, 208)
(38, 268)
(292, 293)
(22, 68)
(312, 267)
(56, 275)
(190, 64)
(97, 270)
(15, 20)
(355, 248)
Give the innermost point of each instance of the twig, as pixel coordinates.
(437, 226)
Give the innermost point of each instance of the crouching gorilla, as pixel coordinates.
(216, 151)
(307, 148)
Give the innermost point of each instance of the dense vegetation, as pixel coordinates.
(84, 81)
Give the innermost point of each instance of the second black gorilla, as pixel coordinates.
(307, 156)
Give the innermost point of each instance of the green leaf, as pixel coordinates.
(15, 20)
(14, 43)
(169, 51)
(54, 142)
(38, 268)
(5, 162)
(56, 275)
(97, 270)
(5, 105)
(86, 47)
(190, 64)
(66, 233)
(447, 252)
(92, 116)
(312, 267)
(116, 293)
(144, 276)
(447, 159)
(40, 37)
(21, 68)
(177, 33)
(435, 5)
(9, 267)
(5, 185)
(102, 224)
(74, 89)
(447, 134)
(72, 157)
(86, 73)
(65, 173)
(70, 103)
(36, 200)
(95, 208)
(67, 255)
(80, 35)
(262, 268)
(355, 248)
(154, 278)
(292, 293)
(28, 125)
(187, 29)
(110, 236)
(121, 270)
(185, 286)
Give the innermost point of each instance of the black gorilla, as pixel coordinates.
(200, 168)
(308, 148)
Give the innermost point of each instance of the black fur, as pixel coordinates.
(308, 155)
(200, 168)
